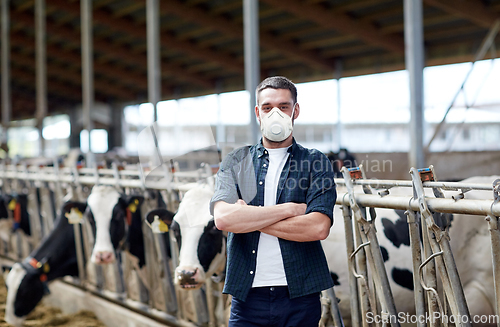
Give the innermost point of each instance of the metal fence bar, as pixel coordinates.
(464, 206)
(388, 183)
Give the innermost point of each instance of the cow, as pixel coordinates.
(199, 241)
(469, 241)
(55, 257)
(5, 223)
(201, 244)
(116, 221)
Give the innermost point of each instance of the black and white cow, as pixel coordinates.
(55, 257)
(5, 223)
(469, 240)
(116, 220)
(201, 244)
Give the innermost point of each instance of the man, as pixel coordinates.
(276, 201)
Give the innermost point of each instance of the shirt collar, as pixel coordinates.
(261, 150)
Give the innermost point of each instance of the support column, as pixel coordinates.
(221, 128)
(414, 56)
(41, 71)
(154, 72)
(6, 100)
(115, 138)
(252, 61)
(87, 73)
(76, 128)
(338, 75)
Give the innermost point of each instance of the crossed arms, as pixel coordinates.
(287, 221)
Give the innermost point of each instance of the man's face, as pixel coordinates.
(280, 98)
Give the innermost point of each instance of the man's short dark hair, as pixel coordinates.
(277, 82)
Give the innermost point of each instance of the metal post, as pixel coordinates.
(252, 61)
(416, 254)
(446, 265)
(430, 275)
(41, 71)
(221, 129)
(414, 57)
(87, 73)
(495, 251)
(6, 100)
(338, 74)
(373, 254)
(154, 73)
(353, 285)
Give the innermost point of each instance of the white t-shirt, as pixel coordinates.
(270, 270)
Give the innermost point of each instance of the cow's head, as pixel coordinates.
(5, 223)
(27, 281)
(25, 286)
(110, 214)
(200, 242)
(18, 205)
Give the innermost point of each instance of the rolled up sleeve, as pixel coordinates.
(322, 193)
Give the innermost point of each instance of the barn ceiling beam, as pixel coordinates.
(113, 51)
(474, 11)
(341, 22)
(129, 27)
(62, 89)
(228, 27)
(116, 75)
(64, 76)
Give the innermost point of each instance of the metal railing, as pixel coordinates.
(362, 242)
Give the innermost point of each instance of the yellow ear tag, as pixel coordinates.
(133, 206)
(12, 204)
(158, 226)
(74, 216)
(46, 268)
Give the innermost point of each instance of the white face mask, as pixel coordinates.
(276, 125)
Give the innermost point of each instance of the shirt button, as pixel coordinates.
(260, 183)
(253, 251)
(272, 289)
(265, 165)
(251, 272)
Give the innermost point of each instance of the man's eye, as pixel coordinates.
(284, 108)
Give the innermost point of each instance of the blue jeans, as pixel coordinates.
(272, 306)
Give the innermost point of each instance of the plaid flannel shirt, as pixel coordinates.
(307, 177)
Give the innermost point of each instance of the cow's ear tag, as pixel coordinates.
(158, 226)
(46, 268)
(74, 216)
(12, 204)
(133, 206)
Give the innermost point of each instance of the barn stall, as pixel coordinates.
(123, 289)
